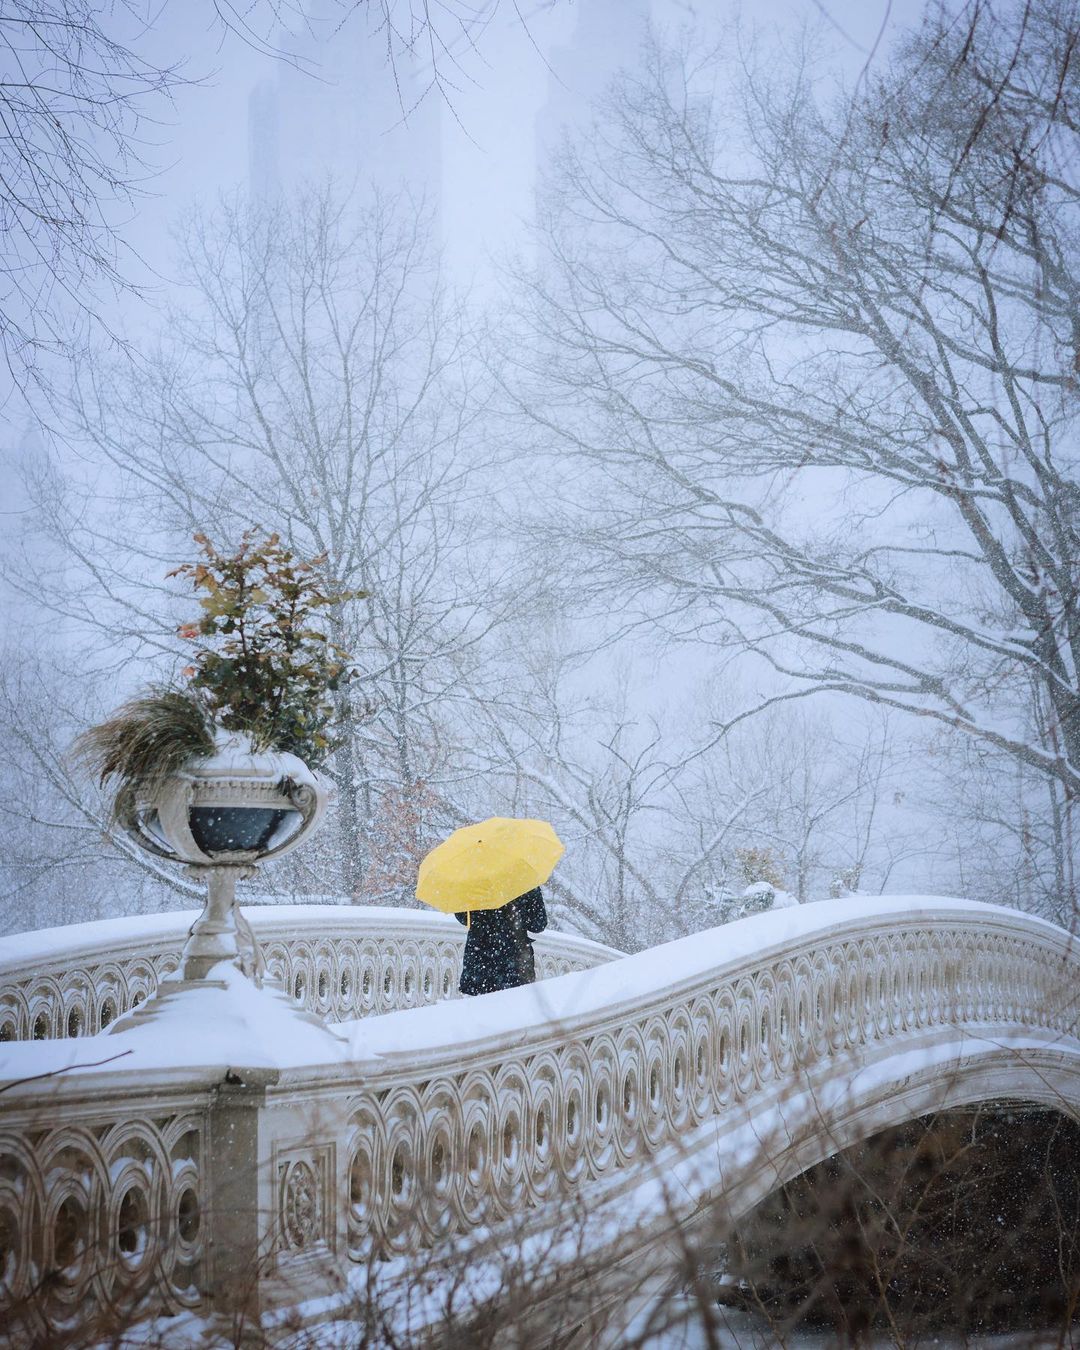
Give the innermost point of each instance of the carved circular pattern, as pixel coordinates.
(339, 978)
(99, 1218)
(301, 1206)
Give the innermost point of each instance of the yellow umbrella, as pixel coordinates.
(483, 866)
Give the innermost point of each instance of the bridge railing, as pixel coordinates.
(338, 961)
(438, 1121)
(470, 1116)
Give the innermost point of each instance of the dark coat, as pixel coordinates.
(498, 952)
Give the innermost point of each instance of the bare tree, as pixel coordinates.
(824, 361)
(72, 97)
(318, 381)
(820, 823)
(666, 835)
(56, 865)
(1006, 831)
(77, 101)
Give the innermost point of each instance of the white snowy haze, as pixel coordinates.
(367, 278)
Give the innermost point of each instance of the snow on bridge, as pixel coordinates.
(224, 1149)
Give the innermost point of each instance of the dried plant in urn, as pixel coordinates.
(222, 769)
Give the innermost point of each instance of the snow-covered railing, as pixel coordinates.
(775, 1040)
(338, 961)
(473, 1113)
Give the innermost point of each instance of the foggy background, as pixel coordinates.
(817, 801)
(321, 95)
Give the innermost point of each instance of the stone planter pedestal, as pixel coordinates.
(221, 816)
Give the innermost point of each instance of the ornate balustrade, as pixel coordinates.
(337, 961)
(819, 1024)
(460, 1123)
(102, 1212)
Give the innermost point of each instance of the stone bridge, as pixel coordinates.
(224, 1150)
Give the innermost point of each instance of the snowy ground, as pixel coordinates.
(735, 1330)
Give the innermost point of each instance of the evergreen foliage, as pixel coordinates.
(267, 666)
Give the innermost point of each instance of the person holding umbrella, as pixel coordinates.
(489, 876)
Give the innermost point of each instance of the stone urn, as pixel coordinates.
(221, 815)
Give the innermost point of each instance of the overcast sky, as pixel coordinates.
(478, 139)
(487, 124)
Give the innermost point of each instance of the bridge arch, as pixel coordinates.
(771, 1145)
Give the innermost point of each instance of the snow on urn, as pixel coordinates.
(223, 814)
(235, 807)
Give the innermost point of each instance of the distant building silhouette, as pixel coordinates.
(606, 38)
(342, 110)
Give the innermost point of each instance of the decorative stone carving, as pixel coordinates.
(435, 1155)
(304, 1204)
(236, 807)
(337, 961)
(96, 1217)
(301, 1218)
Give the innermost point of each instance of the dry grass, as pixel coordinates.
(143, 742)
